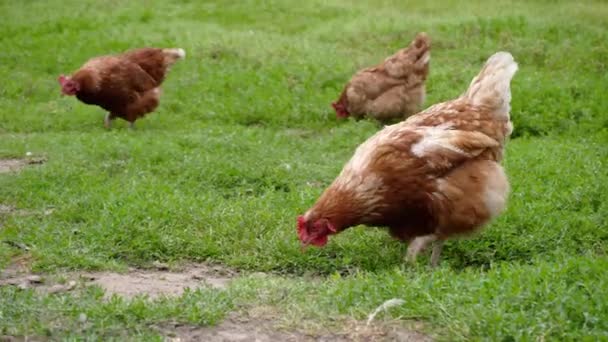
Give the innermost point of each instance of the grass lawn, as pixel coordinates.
(245, 140)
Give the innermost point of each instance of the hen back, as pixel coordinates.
(394, 89)
(126, 85)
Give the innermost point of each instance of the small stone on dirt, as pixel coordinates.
(56, 289)
(82, 318)
(161, 266)
(34, 279)
(88, 277)
(36, 160)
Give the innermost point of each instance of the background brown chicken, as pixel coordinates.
(433, 176)
(394, 89)
(126, 85)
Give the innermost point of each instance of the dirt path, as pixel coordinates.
(240, 328)
(151, 282)
(14, 165)
(253, 324)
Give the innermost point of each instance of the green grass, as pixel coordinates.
(245, 140)
(88, 315)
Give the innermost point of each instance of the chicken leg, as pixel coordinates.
(418, 245)
(437, 247)
(107, 121)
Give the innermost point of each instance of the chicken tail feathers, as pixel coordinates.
(491, 88)
(422, 43)
(174, 54)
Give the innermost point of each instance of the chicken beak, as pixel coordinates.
(305, 244)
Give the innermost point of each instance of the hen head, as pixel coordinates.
(68, 86)
(340, 109)
(314, 233)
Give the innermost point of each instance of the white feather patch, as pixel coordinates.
(386, 305)
(496, 191)
(435, 138)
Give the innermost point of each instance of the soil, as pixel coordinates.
(151, 282)
(242, 328)
(259, 324)
(13, 165)
(6, 209)
(4, 338)
(156, 283)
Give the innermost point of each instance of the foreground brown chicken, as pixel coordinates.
(126, 85)
(431, 177)
(394, 89)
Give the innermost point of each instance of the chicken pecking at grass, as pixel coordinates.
(394, 89)
(431, 177)
(126, 85)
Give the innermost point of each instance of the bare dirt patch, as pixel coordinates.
(23, 339)
(14, 165)
(245, 328)
(155, 283)
(10, 210)
(152, 283)
(258, 323)
(6, 209)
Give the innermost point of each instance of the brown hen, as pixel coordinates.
(430, 177)
(394, 89)
(126, 85)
